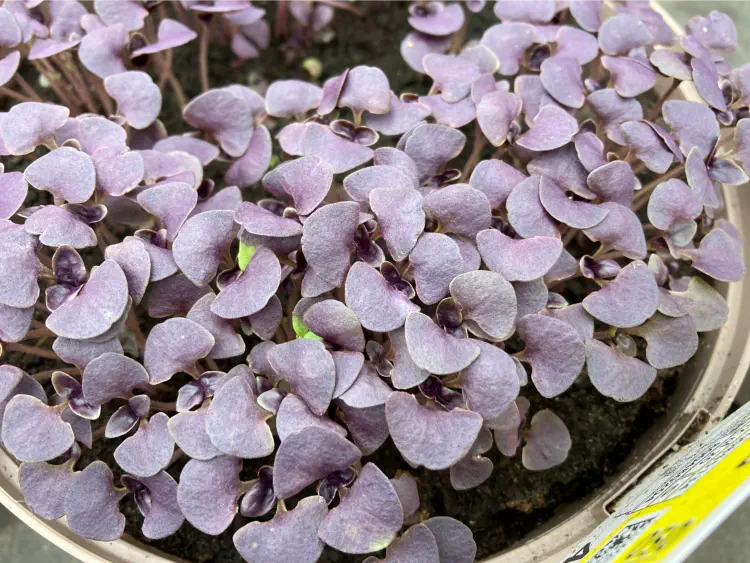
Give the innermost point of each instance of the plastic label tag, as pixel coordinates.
(675, 508)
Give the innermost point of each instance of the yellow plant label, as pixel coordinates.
(673, 510)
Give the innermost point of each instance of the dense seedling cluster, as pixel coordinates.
(387, 285)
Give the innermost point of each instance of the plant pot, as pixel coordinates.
(706, 389)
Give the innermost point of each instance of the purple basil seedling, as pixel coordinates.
(392, 282)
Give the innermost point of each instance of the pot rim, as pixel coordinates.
(718, 370)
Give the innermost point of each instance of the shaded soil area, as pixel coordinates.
(514, 501)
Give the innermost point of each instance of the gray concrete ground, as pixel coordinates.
(730, 544)
(20, 544)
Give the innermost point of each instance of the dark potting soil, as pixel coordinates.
(513, 501)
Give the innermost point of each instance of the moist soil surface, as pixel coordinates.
(513, 501)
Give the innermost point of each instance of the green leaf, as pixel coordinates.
(301, 330)
(245, 255)
(312, 336)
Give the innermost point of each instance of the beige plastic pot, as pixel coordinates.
(705, 391)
